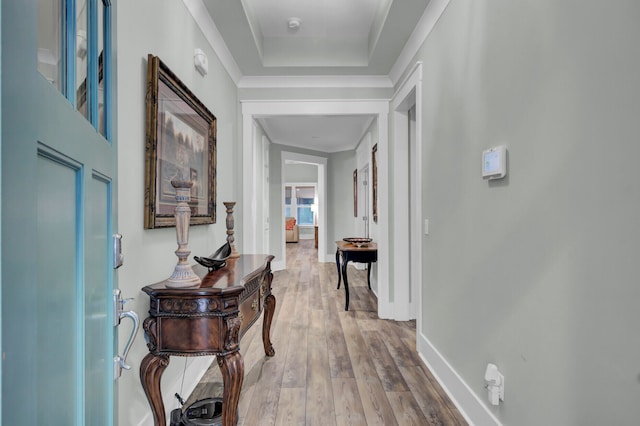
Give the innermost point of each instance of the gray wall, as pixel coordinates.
(340, 196)
(167, 30)
(301, 173)
(538, 272)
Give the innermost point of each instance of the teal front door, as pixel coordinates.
(58, 191)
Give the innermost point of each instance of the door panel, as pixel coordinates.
(58, 265)
(97, 299)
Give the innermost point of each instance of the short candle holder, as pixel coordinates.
(229, 205)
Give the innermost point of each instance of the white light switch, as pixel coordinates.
(426, 227)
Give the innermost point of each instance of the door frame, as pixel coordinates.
(253, 109)
(408, 95)
(321, 190)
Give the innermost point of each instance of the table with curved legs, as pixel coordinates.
(208, 320)
(347, 252)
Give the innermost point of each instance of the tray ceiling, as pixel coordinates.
(334, 37)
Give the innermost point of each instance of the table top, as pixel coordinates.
(345, 246)
(231, 278)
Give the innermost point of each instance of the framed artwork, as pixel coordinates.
(374, 167)
(180, 145)
(355, 193)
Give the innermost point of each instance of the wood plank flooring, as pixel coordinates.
(332, 367)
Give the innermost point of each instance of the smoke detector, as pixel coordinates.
(293, 23)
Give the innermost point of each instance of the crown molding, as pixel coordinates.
(202, 18)
(429, 18)
(316, 81)
(427, 22)
(264, 108)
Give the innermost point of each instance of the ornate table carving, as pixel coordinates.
(208, 320)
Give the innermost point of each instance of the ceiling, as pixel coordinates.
(328, 133)
(335, 37)
(332, 39)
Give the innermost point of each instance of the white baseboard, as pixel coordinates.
(402, 312)
(470, 406)
(278, 266)
(385, 310)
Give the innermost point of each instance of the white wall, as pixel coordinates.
(536, 273)
(166, 29)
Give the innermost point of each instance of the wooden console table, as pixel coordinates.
(350, 253)
(208, 320)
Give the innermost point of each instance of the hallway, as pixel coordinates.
(332, 367)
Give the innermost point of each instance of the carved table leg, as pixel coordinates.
(338, 265)
(151, 370)
(269, 309)
(369, 274)
(232, 368)
(346, 283)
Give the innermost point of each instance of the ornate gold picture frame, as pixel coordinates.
(180, 144)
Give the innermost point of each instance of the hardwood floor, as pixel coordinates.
(332, 367)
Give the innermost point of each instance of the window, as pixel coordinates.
(301, 199)
(50, 23)
(304, 201)
(74, 54)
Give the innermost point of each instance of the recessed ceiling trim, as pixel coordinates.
(345, 147)
(266, 108)
(427, 22)
(316, 81)
(378, 24)
(319, 132)
(254, 26)
(201, 15)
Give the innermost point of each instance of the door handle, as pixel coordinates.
(119, 362)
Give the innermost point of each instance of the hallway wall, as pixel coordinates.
(301, 173)
(167, 30)
(537, 272)
(340, 197)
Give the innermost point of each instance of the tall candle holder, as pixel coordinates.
(183, 275)
(230, 238)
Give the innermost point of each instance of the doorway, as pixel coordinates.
(319, 211)
(407, 187)
(255, 109)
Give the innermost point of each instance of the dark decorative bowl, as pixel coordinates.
(217, 260)
(358, 242)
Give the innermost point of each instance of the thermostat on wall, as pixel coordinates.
(494, 162)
